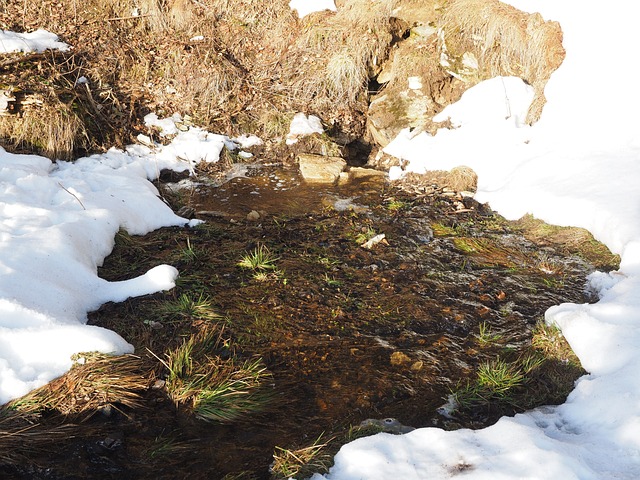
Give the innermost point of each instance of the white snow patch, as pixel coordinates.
(305, 7)
(37, 41)
(303, 125)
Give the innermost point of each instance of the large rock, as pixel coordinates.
(445, 54)
(415, 88)
(320, 169)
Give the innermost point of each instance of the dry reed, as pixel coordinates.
(505, 41)
(95, 380)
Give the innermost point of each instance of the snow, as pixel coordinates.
(579, 165)
(57, 224)
(37, 41)
(303, 125)
(305, 7)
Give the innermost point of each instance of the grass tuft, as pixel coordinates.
(262, 262)
(495, 381)
(198, 307)
(212, 388)
(302, 462)
(346, 74)
(485, 335)
(94, 381)
(548, 340)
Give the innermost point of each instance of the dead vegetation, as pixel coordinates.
(95, 381)
(238, 66)
(501, 40)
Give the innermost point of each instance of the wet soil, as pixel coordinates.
(348, 333)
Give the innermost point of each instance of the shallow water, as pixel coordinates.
(348, 333)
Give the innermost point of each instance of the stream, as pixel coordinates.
(349, 333)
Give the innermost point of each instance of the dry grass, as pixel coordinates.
(462, 178)
(301, 462)
(243, 65)
(233, 65)
(21, 439)
(359, 34)
(95, 380)
(505, 41)
(50, 128)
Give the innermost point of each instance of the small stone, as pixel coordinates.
(389, 425)
(111, 443)
(357, 173)
(106, 410)
(155, 325)
(158, 384)
(253, 215)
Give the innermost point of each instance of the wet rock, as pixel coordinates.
(253, 216)
(112, 442)
(321, 169)
(389, 425)
(361, 173)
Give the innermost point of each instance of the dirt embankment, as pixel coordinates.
(242, 66)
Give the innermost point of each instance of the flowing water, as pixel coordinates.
(348, 333)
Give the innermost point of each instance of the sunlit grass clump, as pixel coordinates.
(548, 340)
(262, 262)
(301, 462)
(497, 381)
(213, 388)
(197, 306)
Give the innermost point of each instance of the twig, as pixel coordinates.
(73, 195)
(130, 17)
(32, 56)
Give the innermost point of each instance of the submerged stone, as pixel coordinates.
(320, 169)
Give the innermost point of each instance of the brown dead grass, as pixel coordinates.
(95, 381)
(505, 41)
(236, 65)
(463, 178)
(232, 63)
(49, 127)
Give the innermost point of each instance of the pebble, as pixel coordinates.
(389, 425)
